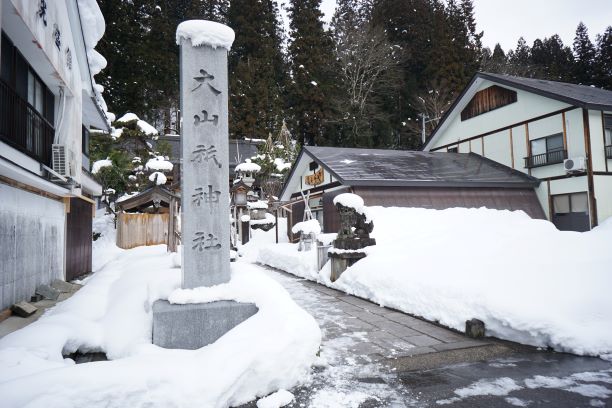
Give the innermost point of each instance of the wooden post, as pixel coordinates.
(172, 226)
(589, 154)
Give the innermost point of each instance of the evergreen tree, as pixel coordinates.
(603, 60)
(257, 69)
(312, 68)
(552, 59)
(584, 54)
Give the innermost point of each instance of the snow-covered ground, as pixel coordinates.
(526, 280)
(270, 351)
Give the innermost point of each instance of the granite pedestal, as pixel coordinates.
(193, 326)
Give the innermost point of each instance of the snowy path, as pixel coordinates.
(350, 373)
(368, 355)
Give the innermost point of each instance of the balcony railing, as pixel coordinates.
(609, 152)
(556, 156)
(22, 127)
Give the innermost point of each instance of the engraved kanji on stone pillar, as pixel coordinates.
(205, 177)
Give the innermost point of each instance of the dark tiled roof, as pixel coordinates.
(581, 95)
(376, 167)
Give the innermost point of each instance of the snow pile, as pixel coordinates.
(281, 165)
(99, 164)
(248, 167)
(203, 32)
(104, 248)
(307, 227)
(353, 201)
(145, 127)
(526, 280)
(276, 400)
(112, 313)
(257, 205)
(158, 163)
(286, 257)
(158, 178)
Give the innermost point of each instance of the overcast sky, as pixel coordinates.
(504, 21)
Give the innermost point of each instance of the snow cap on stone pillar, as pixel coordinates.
(204, 32)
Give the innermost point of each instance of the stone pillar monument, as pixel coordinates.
(205, 198)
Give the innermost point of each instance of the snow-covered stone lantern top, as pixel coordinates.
(247, 171)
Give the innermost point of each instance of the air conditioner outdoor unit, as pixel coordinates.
(61, 160)
(575, 165)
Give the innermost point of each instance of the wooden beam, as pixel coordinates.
(528, 144)
(511, 148)
(482, 146)
(550, 201)
(517, 124)
(587, 149)
(564, 131)
(25, 187)
(603, 133)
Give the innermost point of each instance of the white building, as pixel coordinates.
(557, 132)
(48, 102)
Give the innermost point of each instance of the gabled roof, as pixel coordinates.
(146, 198)
(407, 168)
(576, 95)
(579, 95)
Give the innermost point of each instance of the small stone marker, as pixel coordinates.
(205, 191)
(474, 328)
(48, 292)
(63, 287)
(23, 309)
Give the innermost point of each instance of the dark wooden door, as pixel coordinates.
(78, 238)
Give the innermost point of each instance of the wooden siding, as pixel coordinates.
(141, 229)
(78, 237)
(443, 198)
(487, 100)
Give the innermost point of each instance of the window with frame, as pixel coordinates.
(85, 141)
(608, 135)
(27, 106)
(546, 150)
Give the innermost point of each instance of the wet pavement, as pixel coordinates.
(378, 357)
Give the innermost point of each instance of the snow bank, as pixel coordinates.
(286, 257)
(112, 313)
(307, 227)
(526, 280)
(99, 164)
(203, 32)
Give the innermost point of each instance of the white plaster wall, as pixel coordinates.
(542, 193)
(597, 141)
(569, 185)
(32, 232)
(603, 192)
(575, 133)
(497, 147)
(520, 148)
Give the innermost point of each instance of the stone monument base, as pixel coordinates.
(196, 325)
(341, 261)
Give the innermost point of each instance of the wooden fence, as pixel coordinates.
(141, 229)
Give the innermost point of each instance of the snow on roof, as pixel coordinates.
(248, 167)
(257, 205)
(93, 27)
(159, 163)
(142, 125)
(95, 168)
(203, 32)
